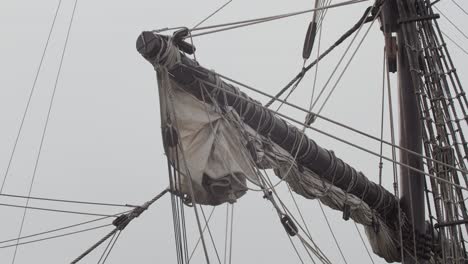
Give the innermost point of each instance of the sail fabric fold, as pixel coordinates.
(208, 153)
(211, 153)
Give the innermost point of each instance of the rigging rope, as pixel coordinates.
(311, 118)
(267, 195)
(329, 120)
(332, 233)
(107, 247)
(53, 210)
(295, 83)
(395, 172)
(45, 126)
(364, 243)
(199, 238)
(316, 251)
(455, 43)
(211, 236)
(460, 7)
(325, 118)
(299, 211)
(120, 223)
(304, 70)
(347, 64)
(56, 236)
(443, 137)
(226, 233)
(190, 181)
(177, 221)
(451, 22)
(295, 249)
(112, 246)
(394, 159)
(269, 186)
(62, 228)
(230, 235)
(272, 187)
(20, 129)
(201, 22)
(382, 117)
(249, 157)
(212, 14)
(249, 22)
(66, 201)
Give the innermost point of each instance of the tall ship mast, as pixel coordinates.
(220, 144)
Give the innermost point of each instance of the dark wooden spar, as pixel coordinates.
(309, 154)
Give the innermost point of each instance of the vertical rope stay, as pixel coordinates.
(190, 180)
(175, 220)
(356, 33)
(332, 233)
(211, 235)
(199, 237)
(107, 247)
(45, 127)
(364, 243)
(394, 165)
(314, 86)
(382, 117)
(25, 112)
(231, 233)
(112, 246)
(349, 61)
(203, 21)
(226, 234)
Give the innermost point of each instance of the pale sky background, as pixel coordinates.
(103, 141)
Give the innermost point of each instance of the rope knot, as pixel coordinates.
(121, 221)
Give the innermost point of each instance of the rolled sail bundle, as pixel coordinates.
(227, 136)
(200, 142)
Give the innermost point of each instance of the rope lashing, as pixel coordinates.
(121, 222)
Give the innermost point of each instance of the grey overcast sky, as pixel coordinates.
(103, 140)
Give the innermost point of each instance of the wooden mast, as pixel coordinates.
(398, 60)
